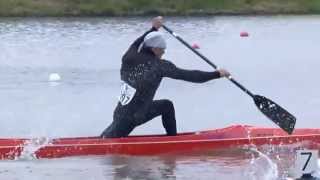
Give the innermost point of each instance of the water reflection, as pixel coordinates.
(195, 165)
(148, 168)
(236, 163)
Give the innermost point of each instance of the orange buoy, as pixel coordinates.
(244, 34)
(195, 46)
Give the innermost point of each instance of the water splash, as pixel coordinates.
(31, 146)
(271, 173)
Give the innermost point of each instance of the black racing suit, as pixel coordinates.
(143, 71)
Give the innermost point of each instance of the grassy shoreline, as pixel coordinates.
(58, 8)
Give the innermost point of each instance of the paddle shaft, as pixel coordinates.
(206, 60)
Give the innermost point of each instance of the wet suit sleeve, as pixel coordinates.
(170, 70)
(135, 45)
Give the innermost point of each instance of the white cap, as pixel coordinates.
(155, 39)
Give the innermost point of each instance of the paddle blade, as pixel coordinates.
(276, 113)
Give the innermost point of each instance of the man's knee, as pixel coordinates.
(167, 105)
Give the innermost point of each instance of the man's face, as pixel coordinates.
(158, 52)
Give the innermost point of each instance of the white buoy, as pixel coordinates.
(53, 77)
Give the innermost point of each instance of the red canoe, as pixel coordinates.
(233, 136)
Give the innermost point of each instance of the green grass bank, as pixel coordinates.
(154, 7)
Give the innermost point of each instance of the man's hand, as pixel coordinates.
(224, 73)
(157, 22)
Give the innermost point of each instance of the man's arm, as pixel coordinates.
(135, 45)
(170, 70)
(156, 24)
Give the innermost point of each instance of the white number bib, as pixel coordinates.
(126, 93)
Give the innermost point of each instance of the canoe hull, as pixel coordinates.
(233, 136)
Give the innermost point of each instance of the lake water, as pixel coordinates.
(279, 59)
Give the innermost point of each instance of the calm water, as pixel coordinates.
(279, 59)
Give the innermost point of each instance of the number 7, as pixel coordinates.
(309, 157)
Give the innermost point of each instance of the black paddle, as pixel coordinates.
(273, 111)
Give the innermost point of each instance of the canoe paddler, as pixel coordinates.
(141, 72)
